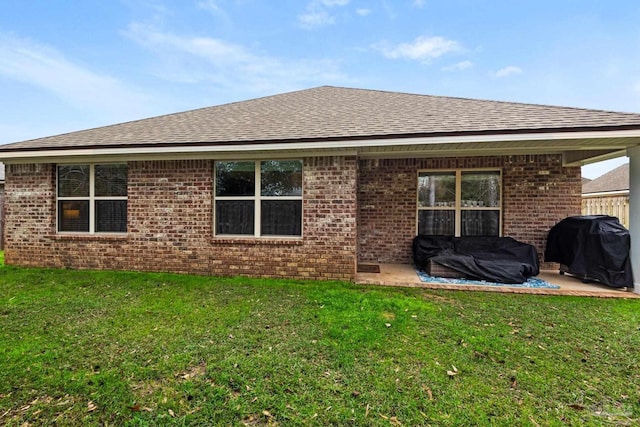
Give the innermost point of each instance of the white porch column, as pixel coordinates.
(634, 213)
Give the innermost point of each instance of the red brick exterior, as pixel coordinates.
(170, 225)
(537, 192)
(352, 210)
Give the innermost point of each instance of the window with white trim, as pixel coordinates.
(460, 203)
(258, 198)
(92, 198)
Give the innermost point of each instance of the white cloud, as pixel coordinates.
(508, 71)
(363, 12)
(45, 67)
(191, 59)
(211, 5)
(422, 48)
(418, 3)
(211, 49)
(315, 19)
(317, 13)
(216, 9)
(458, 66)
(331, 3)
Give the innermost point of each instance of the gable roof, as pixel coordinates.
(337, 113)
(614, 180)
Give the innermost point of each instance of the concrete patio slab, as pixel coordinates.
(404, 275)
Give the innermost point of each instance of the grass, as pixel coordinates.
(136, 349)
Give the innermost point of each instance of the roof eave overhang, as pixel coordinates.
(600, 143)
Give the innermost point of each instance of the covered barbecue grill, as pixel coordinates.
(593, 247)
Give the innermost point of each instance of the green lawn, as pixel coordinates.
(114, 348)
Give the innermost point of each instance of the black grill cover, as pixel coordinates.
(495, 259)
(594, 246)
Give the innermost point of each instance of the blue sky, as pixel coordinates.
(71, 65)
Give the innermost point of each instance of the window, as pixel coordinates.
(92, 198)
(258, 198)
(459, 203)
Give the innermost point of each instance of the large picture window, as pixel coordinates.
(258, 198)
(459, 203)
(92, 198)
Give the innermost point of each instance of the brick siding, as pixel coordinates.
(170, 225)
(29, 214)
(537, 192)
(352, 209)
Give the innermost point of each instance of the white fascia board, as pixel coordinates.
(96, 156)
(136, 151)
(605, 193)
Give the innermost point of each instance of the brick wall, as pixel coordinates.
(537, 192)
(170, 225)
(170, 217)
(29, 213)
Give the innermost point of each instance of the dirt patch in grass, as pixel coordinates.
(431, 296)
(194, 371)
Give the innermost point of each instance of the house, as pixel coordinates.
(608, 195)
(304, 184)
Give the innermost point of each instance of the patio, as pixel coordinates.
(404, 275)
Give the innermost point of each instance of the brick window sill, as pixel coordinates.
(256, 241)
(91, 237)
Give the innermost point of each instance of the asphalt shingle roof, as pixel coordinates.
(614, 180)
(336, 113)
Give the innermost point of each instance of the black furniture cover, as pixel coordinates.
(494, 259)
(595, 247)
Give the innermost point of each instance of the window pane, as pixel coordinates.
(480, 189)
(111, 180)
(436, 222)
(235, 217)
(281, 178)
(281, 217)
(437, 189)
(111, 216)
(480, 223)
(73, 215)
(73, 181)
(235, 178)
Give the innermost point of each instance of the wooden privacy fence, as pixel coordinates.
(617, 206)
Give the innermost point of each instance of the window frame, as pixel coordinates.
(458, 208)
(257, 199)
(91, 198)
